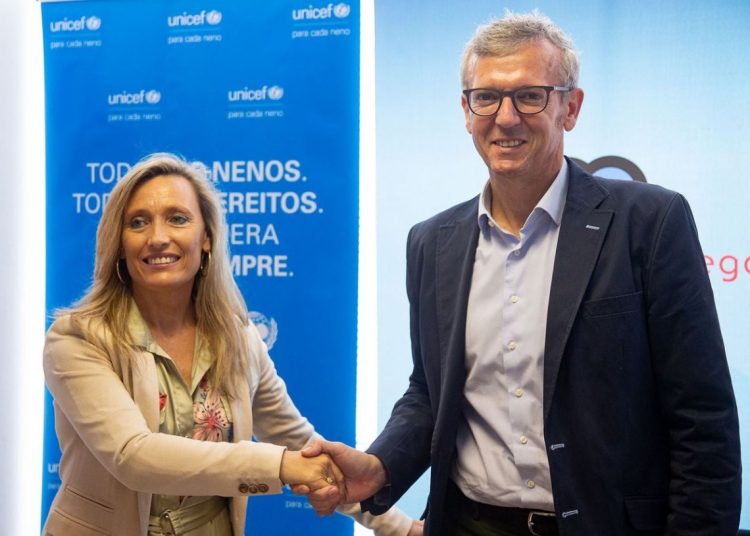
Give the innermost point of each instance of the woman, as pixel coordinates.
(160, 381)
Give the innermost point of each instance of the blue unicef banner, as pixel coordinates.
(264, 96)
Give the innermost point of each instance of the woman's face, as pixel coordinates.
(163, 235)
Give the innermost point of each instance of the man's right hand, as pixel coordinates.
(364, 475)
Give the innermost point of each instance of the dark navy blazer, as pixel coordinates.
(640, 421)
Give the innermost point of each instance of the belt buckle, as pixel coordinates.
(165, 521)
(530, 521)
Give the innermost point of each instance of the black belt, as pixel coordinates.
(518, 520)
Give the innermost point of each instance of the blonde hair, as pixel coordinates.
(500, 37)
(220, 309)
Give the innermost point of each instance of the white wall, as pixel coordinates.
(22, 265)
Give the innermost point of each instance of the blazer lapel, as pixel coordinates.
(582, 232)
(455, 251)
(145, 389)
(242, 430)
(242, 424)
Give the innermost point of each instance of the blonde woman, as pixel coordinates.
(160, 381)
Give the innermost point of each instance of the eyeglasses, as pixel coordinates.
(527, 100)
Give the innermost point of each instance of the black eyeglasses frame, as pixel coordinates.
(512, 94)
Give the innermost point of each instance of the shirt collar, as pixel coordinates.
(142, 337)
(140, 333)
(552, 202)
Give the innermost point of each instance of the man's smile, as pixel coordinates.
(508, 143)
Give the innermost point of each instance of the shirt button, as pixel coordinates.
(524, 440)
(262, 488)
(517, 252)
(514, 299)
(244, 488)
(512, 345)
(518, 392)
(530, 484)
(491, 223)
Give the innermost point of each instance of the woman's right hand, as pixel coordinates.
(318, 473)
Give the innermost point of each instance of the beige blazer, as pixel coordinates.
(114, 459)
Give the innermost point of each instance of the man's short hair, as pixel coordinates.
(500, 37)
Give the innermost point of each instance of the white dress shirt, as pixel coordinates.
(502, 458)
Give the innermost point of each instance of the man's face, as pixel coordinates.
(513, 145)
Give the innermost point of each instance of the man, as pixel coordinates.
(569, 373)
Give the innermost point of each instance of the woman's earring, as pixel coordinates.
(119, 275)
(205, 262)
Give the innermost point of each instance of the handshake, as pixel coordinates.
(331, 474)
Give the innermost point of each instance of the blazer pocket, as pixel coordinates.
(616, 305)
(90, 512)
(61, 524)
(646, 513)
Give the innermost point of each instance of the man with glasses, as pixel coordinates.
(569, 372)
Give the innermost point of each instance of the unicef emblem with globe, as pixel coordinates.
(341, 10)
(213, 17)
(93, 23)
(267, 327)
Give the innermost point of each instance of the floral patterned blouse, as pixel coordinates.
(195, 411)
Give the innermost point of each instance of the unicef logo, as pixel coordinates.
(267, 327)
(153, 96)
(612, 167)
(213, 17)
(341, 11)
(275, 92)
(93, 23)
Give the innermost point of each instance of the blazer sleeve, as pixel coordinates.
(695, 390)
(277, 420)
(275, 417)
(90, 395)
(404, 444)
